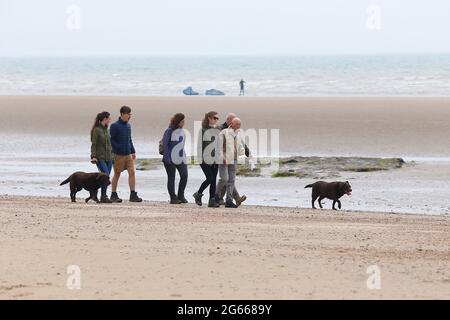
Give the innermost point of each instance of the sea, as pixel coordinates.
(324, 75)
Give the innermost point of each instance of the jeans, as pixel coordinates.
(221, 190)
(105, 167)
(210, 171)
(171, 170)
(227, 174)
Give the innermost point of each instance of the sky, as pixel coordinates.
(222, 27)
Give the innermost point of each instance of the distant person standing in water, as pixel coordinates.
(101, 150)
(242, 86)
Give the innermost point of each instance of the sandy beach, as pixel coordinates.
(273, 247)
(157, 251)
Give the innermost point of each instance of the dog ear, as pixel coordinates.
(99, 176)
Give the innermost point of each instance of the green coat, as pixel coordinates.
(101, 144)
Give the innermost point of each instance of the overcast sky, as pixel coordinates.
(216, 27)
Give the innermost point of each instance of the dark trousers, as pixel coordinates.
(210, 171)
(105, 167)
(171, 170)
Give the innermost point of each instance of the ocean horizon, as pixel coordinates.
(266, 76)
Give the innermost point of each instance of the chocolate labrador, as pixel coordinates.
(88, 181)
(333, 191)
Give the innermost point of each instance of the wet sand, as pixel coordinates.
(380, 127)
(156, 251)
(419, 188)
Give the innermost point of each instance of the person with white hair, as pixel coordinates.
(230, 147)
(221, 185)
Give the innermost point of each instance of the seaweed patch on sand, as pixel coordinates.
(332, 167)
(148, 164)
(299, 167)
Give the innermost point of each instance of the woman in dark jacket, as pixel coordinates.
(101, 153)
(207, 141)
(174, 158)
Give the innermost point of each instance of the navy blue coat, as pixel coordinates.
(121, 141)
(169, 145)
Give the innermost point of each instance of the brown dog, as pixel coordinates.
(88, 181)
(333, 191)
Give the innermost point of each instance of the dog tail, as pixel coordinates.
(309, 186)
(65, 181)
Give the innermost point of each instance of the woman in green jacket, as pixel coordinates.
(101, 153)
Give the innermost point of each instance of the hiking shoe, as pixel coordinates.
(213, 203)
(183, 200)
(240, 200)
(219, 200)
(134, 197)
(175, 201)
(198, 198)
(115, 198)
(105, 199)
(230, 204)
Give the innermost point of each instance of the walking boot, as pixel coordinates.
(240, 200)
(104, 199)
(134, 197)
(198, 198)
(230, 204)
(115, 198)
(182, 199)
(175, 201)
(213, 203)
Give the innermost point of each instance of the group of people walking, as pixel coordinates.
(219, 148)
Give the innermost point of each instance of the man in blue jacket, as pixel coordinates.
(124, 154)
